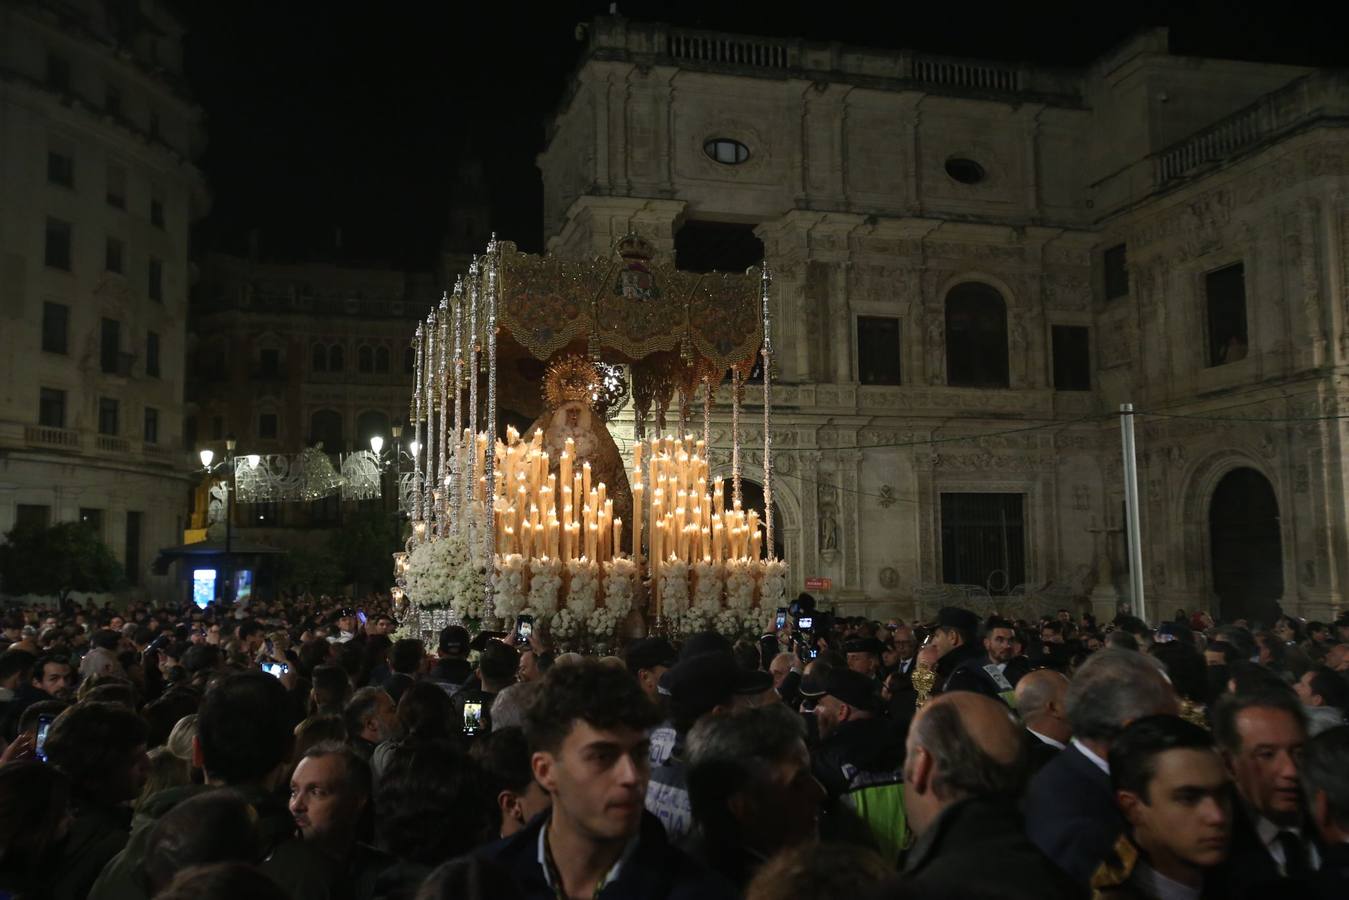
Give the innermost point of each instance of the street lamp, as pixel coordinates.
(376, 444)
(207, 457)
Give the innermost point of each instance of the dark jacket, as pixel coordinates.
(1041, 754)
(1071, 814)
(656, 869)
(301, 870)
(97, 834)
(1249, 870)
(963, 670)
(857, 749)
(977, 849)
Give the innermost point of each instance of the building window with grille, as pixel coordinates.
(983, 540)
(108, 410)
(60, 169)
(156, 286)
(1072, 358)
(57, 252)
(151, 425)
(55, 327)
(51, 408)
(878, 350)
(1225, 295)
(116, 193)
(1115, 262)
(113, 255)
(32, 516)
(152, 354)
(267, 426)
(976, 337)
(382, 360)
(110, 344)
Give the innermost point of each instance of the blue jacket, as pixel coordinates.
(656, 870)
(1071, 814)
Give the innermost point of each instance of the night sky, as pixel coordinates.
(323, 115)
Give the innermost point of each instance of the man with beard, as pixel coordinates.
(964, 664)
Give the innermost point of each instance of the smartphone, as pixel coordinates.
(360, 616)
(44, 725)
(524, 628)
(805, 623)
(782, 618)
(274, 669)
(472, 717)
(814, 653)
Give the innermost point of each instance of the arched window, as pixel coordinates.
(369, 424)
(382, 359)
(335, 358)
(409, 361)
(319, 358)
(365, 359)
(976, 337)
(325, 427)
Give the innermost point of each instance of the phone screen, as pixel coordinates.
(44, 725)
(360, 616)
(524, 628)
(275, 669)
(805, 623)
(472, 717)
(782, 618)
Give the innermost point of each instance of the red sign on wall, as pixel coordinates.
(819, 584)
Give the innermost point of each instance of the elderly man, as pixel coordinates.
(1325, 783)
(1042, 702)
(965, 767)
(1070, 805)
(751, 788)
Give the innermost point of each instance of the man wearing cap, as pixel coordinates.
(452, 668)
(856, 741)
(964, 665)
(648, 659)
(864, 656)
(706, 684)
(346, 627)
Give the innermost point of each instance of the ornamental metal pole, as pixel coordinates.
(1132, 527)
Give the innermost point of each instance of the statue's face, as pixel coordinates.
(573, 417)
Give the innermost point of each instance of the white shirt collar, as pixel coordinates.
(609, 877)
(1091, 755)
(1046, 739)
(1268, 833)
(1155, 884)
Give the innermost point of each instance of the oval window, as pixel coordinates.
(726, 151)
(966, 171)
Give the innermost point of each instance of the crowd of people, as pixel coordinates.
(301, 749)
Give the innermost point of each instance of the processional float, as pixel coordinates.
(549, 521)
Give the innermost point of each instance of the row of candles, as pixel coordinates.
(679, 512)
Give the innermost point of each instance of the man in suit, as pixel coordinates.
(1261, 735)
(1326, 783)
(965, 766)
(1070, 805)
(1041, 700)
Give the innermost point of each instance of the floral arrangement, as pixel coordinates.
(443, 574)
(773, 587)
(512, 576)
(707, 587)
(564, 625)
(674, 587)
(582, 586)
(544, 584)
(601, 624)
(692, 621)
(728, 622)
(620, 578)
(740, 584)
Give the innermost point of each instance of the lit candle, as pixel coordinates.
(585, 478)
(618, 537)
(638, 489)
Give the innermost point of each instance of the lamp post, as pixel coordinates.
(207, 456)
(396, 432)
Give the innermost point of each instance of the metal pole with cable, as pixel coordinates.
(1132, 527)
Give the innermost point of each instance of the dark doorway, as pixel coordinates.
(751, 497)
(1246, 546)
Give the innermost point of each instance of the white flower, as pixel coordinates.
(773, 586)
(544, 584)
(740, 584)
(620, 578)
(601, 623)
(582, 586)
(707, 591)
(563, 625)
(729, 623)
(512, 573)
(443, 573)
(674, 587)
(692, 621)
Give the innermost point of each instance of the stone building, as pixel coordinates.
(97, 192)
(976, 264)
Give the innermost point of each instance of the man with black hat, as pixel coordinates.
(452, 668)
(648, 659)
(346, 627)
(702, 685)
(856, 741)
(964, 665)
(864, 656)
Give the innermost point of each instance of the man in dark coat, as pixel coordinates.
(1326, 783)
(1070, 806)
(963, 663)
(965, 766)
(587, 729)
(857, 742)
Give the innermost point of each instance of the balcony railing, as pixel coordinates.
(964, 74)
(1312, 97)
(45, 436)
(729, 49)
(108, 444)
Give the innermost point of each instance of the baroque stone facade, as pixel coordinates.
(98, 188)
(1155, 230)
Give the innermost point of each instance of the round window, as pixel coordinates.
(726, 151)
(966, 171)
